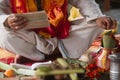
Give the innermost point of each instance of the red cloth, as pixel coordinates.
(7, 60)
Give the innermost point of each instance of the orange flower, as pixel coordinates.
(93, 71)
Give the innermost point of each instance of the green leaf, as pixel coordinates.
(26, 72)
(108, 42)
(18, 71)
(6, 66)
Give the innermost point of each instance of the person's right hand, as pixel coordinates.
(15, 22)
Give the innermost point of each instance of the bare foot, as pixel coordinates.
(20, 59)
(17, 59)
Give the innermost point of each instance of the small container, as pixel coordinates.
(114, 66)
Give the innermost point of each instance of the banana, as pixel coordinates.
(44, 68)
(73, 76)
(63, 62)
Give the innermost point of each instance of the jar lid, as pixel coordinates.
(114, 56)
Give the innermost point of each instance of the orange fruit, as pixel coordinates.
(9, 73)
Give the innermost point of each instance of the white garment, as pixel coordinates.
(80, 38)
(26, 44)
(30, 45)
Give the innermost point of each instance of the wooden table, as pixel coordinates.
(9, 79)
(22, 78)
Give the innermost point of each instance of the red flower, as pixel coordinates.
(90, 74)
(93, 71)
(92, 66)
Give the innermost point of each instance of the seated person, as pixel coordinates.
(72, 39)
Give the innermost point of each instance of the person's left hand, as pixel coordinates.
(106, 22)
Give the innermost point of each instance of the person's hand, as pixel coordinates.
(15, 22)
(106, 22)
